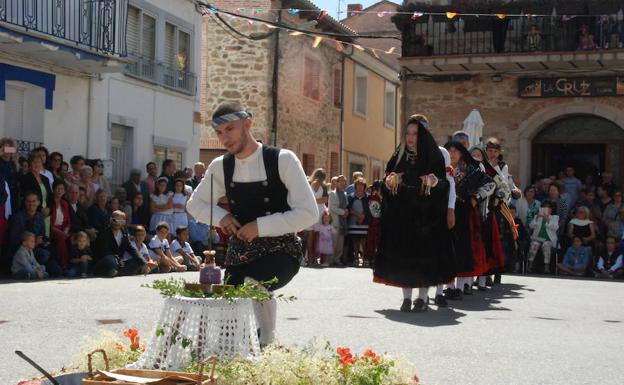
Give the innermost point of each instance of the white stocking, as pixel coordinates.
(482, 281)
(439, 290)
(423, 293)
(407, 293)
(266, 315)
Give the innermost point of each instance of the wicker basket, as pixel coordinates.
(124, 376)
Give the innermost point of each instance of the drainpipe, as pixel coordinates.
(275, 85)
(89, 115)
(342, 102)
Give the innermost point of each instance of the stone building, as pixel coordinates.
(550, 88)
(311, 111)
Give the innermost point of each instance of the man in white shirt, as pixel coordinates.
(270, 200)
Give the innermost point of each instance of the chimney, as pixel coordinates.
(353, 8)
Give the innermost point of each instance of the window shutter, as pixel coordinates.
(361, 85)
(149, 37)
(312, 78)
(390, 109)
(170, 54)
(133, 35)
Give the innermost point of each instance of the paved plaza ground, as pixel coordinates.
(530, 330)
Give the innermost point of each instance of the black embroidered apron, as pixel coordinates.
(267, 257)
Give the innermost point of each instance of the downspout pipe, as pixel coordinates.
(275, 85)
(342, 103)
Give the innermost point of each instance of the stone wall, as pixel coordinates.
(235, 68)
(513, 120)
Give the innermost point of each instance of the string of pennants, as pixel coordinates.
(414, 15)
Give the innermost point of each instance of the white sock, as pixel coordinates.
(407, 293)
(423, 293)
(439, 289)
(266, 315)
(452, 284)
(482, 281)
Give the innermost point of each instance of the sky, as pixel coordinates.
(332, 5)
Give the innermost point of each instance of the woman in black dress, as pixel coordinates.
(415, 249)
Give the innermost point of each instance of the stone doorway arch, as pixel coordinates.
(542, 119)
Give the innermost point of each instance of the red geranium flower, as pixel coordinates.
(369, 354)
(133, 336)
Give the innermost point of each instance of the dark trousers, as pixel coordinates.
(109, 266)
(277, 265)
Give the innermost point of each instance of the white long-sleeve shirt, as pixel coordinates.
(617, 265)
(452, 192)
(303, 213)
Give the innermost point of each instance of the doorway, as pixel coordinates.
(588, 143)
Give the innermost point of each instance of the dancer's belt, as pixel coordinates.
(240, 252)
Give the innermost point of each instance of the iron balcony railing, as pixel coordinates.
(98, 25)
(150, 70)
(24, 147)
(438, 36)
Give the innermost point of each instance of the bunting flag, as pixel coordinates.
(391, 50)
(501, 16)
(339, 46)
(317, 42)
(417, 15)
(296, 33)
(359, 47)
(383, 13)
(323, 15)
(374, 52)
(293, 11)
(451, 15)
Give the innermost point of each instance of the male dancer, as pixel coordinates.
(270, 200)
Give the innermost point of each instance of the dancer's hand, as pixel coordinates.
(229, 224)
(450, 218)
(249, 232)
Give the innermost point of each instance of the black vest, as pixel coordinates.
(249, 201)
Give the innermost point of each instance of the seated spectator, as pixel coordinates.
(55, 164)
(37, 183)
(80, 256)
(527, 206)
(533, 40)
(611, 214)
(78, 213)
(60, 220)
(161, 252)
(544, 229)
(100, 182)
(122, 196)
(135, 186)
(76, 162)
(604, 199)
(114, 205)
(576, 259)
(31, 219)
(44, 154)
(617, 230)
(582, 226)
(199, 236)
(86, 175)
(139, 243)
(113, 252)
(152, 176)
(136, 212)
(181, 248)
(161, 204)
(99, 213)
(610, 263)
(25, 266)
(199, 170)
(65, 170)
(23, 166)
(608, 182)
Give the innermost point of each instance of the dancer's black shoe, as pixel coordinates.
(420, 306)
(467, 289)
(440, 301)
(406, 306)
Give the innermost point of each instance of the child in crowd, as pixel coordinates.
(179, 217)
(374, 228)
(160, 251)
(544, 227)
(610, 264)
(139, 243)
(161, 205)
(575, 259)
(79, 256)
(326, 232)
(181, 248)
(25, 266)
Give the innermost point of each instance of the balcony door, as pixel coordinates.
(121, 153)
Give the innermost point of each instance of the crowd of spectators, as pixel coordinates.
(65, 219)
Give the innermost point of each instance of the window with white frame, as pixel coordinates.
(390, 105)
(360, 94)
(177, 47)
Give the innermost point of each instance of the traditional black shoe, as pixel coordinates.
(440, 301)
(420, 306)
(475, 283)
(497, 279)
(407, 305)
(467, 289)
(488, 281)
(453, 294)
